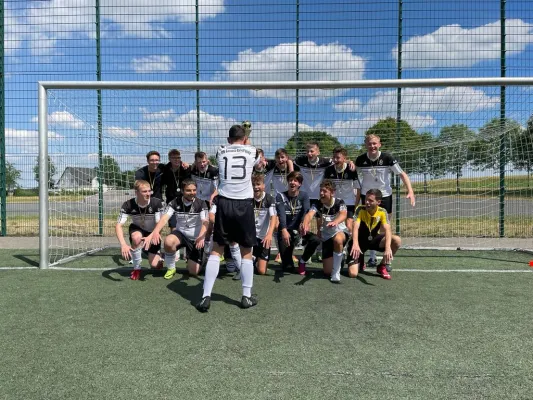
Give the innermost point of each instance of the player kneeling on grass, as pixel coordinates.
(145, 212)
(265, 223)
(190, 231)
(372, 231)
(332, 213)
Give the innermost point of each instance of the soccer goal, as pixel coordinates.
(466, 145)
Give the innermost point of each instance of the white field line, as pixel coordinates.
(469, 271)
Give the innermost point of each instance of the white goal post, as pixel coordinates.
(43, 112)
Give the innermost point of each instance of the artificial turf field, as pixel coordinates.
(428, 333)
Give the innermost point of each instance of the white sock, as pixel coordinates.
(247, 277)
(337, 262)
(372, 254)
(211, 273)
(136, 257)
(236, 255)
(170, 260)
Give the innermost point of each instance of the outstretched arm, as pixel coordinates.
(407, 182)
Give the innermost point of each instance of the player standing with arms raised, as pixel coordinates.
(234, 218)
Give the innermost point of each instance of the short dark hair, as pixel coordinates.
(295, 175)
(152, 153)
(311, 144)
(199, 155)
(174, 152)
(258, 178)
(281, 151)
(340, 149)
(260, 151)
(187, 182)
(237, 132)
(328, 184)
(376, 193)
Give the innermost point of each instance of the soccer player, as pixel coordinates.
(152, 173)
(374, 169)
(174, 173)
(346, 182)
(277, 170)
(372, 231)
(234, 218)
(205, 176)
(190, 230)
(291, 207)
(145, 212)
(312, 167)
(265, 223)
(332, 213)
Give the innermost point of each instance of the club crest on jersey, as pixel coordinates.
(380, 162)
(150, 209)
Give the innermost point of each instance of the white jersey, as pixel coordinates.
(376, 174)
(235, 167)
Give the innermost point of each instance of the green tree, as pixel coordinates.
(51, 172)
(12, 176)
(213, 161)
(484, 151)
(456, 141)
(296, 144)
(111, 174)
(522, 150)
(127, 179)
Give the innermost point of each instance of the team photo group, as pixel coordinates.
(336, 205)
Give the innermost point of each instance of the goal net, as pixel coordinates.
(467, 147)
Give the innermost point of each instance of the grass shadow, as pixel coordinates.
(26, 260)
(193, 293)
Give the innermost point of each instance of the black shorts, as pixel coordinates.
(365, 244)
(351, 211)
(260, 252)
(172, 221)
(193, 253)
(386, 203)
(235, 222)
(327, 246)
(154, 248)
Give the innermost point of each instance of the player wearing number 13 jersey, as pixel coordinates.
(234, 218)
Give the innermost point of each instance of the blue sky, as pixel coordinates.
(247, 40)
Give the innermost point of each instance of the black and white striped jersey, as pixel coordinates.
(276, 177)
(206, 182)
(144, 217)
(313, 174)
(328, 214)
(264, 208)
(376, 174)
(346, 181)
(189, 215)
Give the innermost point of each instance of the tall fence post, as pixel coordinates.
(100, 170)
(3, 177)
(399, 112)
(503, 138)
(297, 105)
(197, 35)
(43, 178)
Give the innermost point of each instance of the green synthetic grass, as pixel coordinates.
(81, 334)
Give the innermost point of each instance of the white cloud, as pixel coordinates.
(117, 131)
(157, 115)
(23, 141)
(151, 64)
(350, 105)
(455, 46)
(419, 105)
(43, 23)
(331, 61)
(63, 119)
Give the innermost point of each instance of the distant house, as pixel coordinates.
(79, 178)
